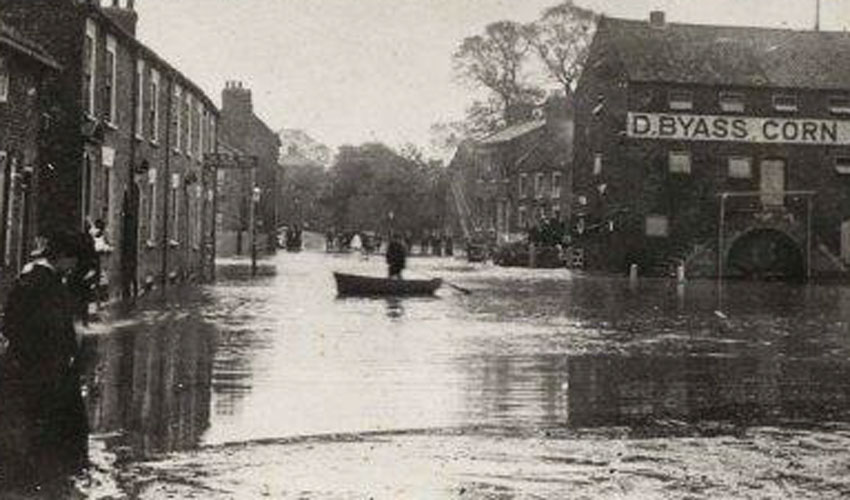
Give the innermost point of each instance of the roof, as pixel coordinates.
(510, 133)
(11, 38)
(730, 55)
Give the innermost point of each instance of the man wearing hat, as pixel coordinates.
(41, 373)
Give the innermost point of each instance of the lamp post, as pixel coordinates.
(255, 199)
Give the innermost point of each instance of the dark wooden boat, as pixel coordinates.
(353, 284)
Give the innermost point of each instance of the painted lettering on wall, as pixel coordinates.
(738, 128)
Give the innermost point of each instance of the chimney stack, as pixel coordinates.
(236, 98)
(124, 17)
(656, 19)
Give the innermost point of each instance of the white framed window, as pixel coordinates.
(151, 206)
(4, 80)
(538, 185)
(732, 102)
(556, 185)
(680, 100)
(657, 225)
(175, 118)
(175, 209)
(842, 164)
(523, 181)
(522, 217)
(153, 112)
(740, 167)
(140, 98)
(597, 164)
(680, 162)
(198, 124)
(202, 131)
(839, 104)
(109, 79)
(190, 124)
(185, 147)
(89, 66)
(213, 136)
(785, 102)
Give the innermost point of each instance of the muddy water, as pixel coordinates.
(539, 383)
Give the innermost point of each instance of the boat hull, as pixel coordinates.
(357, 285)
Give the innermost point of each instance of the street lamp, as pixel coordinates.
(255, 200)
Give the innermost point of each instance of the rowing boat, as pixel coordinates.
(354, 284)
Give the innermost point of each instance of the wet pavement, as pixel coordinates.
(537, 384)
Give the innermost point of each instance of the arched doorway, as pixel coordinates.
(766, 254)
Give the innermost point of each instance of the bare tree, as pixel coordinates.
(561, 38)
(495, 61)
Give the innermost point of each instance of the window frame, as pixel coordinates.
(836, 109)
(727, 104)
(686, 104)
(111, 80)
(5, 79)
(153, 112)
(556, 186)
(151, 209)
(785, 108)
(729, 171)
(664, 222)
(841, 164)
(90, 68)
(679, 153)
(522, 184)
(176, 99)
(140, 99)
(538, 185)
(598, 161)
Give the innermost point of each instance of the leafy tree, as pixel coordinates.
(495, 61)
(561, 38)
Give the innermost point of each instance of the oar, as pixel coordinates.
(459, 288)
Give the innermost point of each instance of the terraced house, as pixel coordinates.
(723, 148)
(24, 68)
(129, 133)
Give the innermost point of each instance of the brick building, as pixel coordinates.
(128, 137)
(243, 130)
(726, 148)
(24, 68)
(515, 178)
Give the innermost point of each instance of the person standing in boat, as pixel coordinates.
(396, 256)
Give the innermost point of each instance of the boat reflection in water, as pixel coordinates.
(611, 390)
(149, 382)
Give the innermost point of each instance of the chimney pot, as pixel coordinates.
(656, 19)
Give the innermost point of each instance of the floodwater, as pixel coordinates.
(536, 384)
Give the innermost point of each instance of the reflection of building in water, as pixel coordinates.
(151, 382)
(616, 390)
(233, 372)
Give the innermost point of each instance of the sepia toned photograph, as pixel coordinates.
(424, 249)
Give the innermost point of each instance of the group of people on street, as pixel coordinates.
(43, 424)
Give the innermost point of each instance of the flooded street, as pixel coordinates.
(537, 384)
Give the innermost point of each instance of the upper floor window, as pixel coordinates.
(657, 225)
(842, 164)
(523, 180)
(680, 162)
(212, 133)
(185, 142)
(538, 185)
(732, 102)
(202, 125)
(556, 184)
(785, 102)
(140, 98)
(740, 167)
(839, 104)
(175, 118)
(597, 164)
(151, 206)
(4, 80)
(89, 65)
(681, 100)
(109, 77)
(153, 113)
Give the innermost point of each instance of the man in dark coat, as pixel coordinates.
(396, 256)
(41, 372)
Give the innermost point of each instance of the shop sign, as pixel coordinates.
(771, 130)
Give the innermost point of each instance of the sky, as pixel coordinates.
(353, 71)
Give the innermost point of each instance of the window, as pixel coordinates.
(839, 104)
(538, 185)
(175, 209)
(523, 180)
(597, 164)
(107, 157)
(732, 102)
(656, 225)
(522, 217)
(680, 162)
(184, 123)
(140, 98)
(4, 80)
(681, 100)
(188, 108)
(202, 125)
(740, 167)
(556, 184)
(153, 112)
(109, 81)
(212, 134)
(3, 194)
(175, 119)
(151, 213)
(785, 102)
(89, 60)
(842, 165)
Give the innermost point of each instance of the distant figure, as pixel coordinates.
(356, 243)
(102, 248)
(40, 386)
(396, 256)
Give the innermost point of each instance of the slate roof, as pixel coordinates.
(730, 55)
(13, 39)
(510, 133)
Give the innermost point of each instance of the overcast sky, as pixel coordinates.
(350, 71)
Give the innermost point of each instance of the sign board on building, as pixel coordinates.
(107, 156)
(770, 130)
